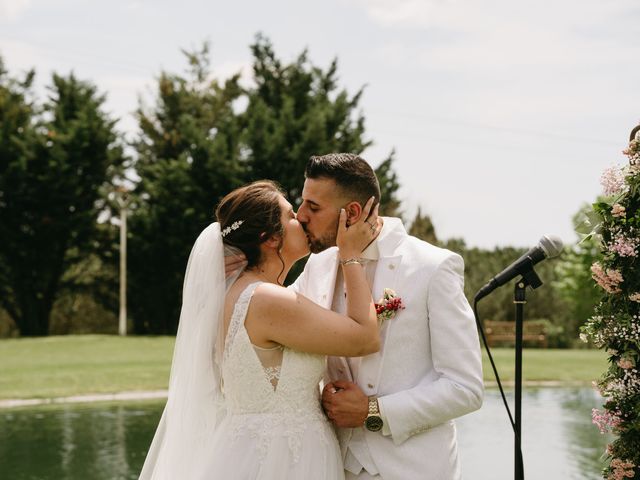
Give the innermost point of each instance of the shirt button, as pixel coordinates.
(392, 266)
(370, 385)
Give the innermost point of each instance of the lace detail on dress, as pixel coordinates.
(238, 315)
(258, 408)
(273, 374)
(267, 428)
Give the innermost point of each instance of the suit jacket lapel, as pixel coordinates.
(385, 277)
(323, 283)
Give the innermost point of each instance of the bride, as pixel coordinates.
(243, 397)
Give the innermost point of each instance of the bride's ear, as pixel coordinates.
(273, 241)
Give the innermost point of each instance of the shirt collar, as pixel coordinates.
(371, 252)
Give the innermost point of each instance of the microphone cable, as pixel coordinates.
(495, 372)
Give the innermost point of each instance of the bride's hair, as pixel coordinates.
(256, 209)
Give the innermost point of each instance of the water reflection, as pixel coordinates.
(97, 441)
(558, 438)
(109, 441)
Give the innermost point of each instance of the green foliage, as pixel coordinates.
(389, 186)
(615, 326)
(196, 145)
(188, 157)
(573, 281)
(54, 160)
(481, 265)
(422, 227)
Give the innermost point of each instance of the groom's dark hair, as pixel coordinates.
(352, 174)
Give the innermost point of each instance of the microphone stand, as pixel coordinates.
(529, 279)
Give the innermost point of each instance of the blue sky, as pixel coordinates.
(503, 113)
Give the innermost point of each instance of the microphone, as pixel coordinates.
(549, 246)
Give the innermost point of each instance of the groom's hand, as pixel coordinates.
(345, 404)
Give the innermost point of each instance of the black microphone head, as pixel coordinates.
(551, 245)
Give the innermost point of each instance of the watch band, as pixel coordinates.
(374, 409)
(373, 422)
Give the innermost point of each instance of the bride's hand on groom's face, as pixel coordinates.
(353, 237)
(345, 404)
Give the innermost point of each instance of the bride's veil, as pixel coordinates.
(194, 404)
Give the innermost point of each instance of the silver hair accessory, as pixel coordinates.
(234, 226)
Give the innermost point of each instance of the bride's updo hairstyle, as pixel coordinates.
(255, 211)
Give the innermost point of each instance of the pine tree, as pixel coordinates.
(422, 228)
(54, 161)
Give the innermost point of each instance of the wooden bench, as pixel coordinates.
(532, 332)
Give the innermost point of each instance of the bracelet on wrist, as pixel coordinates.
(351, 261)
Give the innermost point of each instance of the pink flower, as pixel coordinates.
(623, 246)
(625, 363)
(621, 469)
(618, 210)
(635, 297)
(612, 181)
(608, 279)
(604, 420)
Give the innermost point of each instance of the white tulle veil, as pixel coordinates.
(194, 405)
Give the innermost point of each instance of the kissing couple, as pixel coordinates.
(357, 370)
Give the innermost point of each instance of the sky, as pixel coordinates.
(503, 113)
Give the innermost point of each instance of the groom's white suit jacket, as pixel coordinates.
(428, 370)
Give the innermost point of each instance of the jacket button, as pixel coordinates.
(370, 385)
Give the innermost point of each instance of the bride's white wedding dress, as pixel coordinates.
(274, 427)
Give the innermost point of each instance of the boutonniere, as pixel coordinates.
(388, 305)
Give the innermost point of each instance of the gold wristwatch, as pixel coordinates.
(373, 422)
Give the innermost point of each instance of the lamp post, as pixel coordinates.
(123, 202)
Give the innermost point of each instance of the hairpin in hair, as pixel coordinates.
(234, 226)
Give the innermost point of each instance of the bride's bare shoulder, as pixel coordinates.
(269, 295)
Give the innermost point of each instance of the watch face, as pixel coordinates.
(373, 423)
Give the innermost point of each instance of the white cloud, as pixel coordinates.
(11, 9)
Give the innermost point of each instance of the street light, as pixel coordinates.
(122, 197)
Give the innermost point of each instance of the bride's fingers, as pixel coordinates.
(342, 222)
(367, 209)
(373, 217)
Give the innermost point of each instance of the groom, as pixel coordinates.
(394, 409)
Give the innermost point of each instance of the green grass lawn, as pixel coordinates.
(83, 364)
(78, 364)
(547, 365)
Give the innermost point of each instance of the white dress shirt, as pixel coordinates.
(358, 455)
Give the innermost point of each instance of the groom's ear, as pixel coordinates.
(354, 210)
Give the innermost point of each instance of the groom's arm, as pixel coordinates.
(455, 351)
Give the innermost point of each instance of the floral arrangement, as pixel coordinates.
(615, 325)
(388, 305)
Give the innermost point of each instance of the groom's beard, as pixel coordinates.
(320, 244)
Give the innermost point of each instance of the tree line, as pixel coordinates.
(63, 164)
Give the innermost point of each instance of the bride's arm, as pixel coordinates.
(291, 319)
(287, 317)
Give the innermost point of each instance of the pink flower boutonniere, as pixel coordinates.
(388, 305)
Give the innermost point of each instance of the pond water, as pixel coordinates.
(103, 441)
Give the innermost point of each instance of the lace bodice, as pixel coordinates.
(249, 385)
